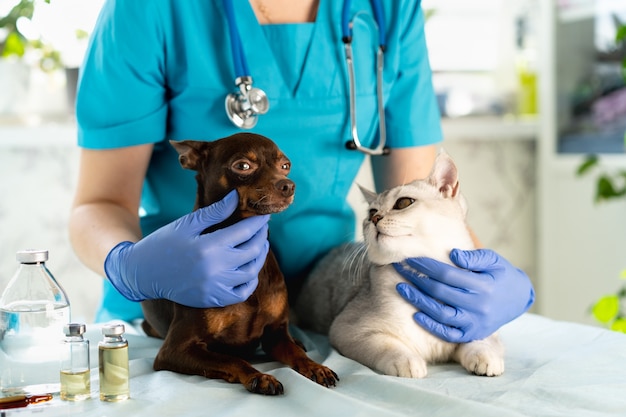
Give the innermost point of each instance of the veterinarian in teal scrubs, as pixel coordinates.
(161, 70)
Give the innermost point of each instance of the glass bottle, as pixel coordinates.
(526, 67)
(113, 364)
(75, 374)
(33, 310)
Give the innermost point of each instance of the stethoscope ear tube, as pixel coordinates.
(351, 145)
(346, 28)
(355, 143)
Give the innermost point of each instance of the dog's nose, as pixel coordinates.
(285, 187)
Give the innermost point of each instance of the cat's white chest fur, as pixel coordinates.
(398, 315)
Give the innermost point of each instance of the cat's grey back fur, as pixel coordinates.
(334, 281)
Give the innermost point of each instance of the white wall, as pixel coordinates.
(39, 167)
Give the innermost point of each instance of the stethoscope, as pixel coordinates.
(244, 106)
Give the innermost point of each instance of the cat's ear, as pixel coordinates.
(445, 175)
(367, 194)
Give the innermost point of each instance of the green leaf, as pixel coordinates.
(606, 308)
(81, 34)
(14, 45)
(619, 325)
(589, 162)
(622, 274)
(605, 189)
(620, 34)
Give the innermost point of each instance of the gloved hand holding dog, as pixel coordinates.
(469, 302)
(178, 263)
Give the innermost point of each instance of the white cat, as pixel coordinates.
(351, 294)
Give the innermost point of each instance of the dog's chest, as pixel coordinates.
(247, 321)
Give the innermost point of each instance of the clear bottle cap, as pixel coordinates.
(113, 330)
(30, 256)
(74, 329)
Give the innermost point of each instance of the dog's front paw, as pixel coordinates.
(264, 384)
(318, 373)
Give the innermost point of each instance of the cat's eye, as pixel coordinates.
(372, 213)
(403, 203)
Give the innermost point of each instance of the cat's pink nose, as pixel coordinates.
(376, 218)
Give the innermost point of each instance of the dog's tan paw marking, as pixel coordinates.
(324, 376)
(318, 373)
(264, 384)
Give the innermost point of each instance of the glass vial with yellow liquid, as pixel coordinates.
(526, 68)
(75, 374)
(113, 364)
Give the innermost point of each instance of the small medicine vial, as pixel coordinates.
(75, 374)
(113, 364)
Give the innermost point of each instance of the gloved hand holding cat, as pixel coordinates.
(466, 303)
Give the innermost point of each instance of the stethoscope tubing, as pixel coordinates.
(379, 17)
(239, 59)
(354, 143)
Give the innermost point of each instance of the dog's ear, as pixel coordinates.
(188, 152)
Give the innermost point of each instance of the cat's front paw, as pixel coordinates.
(402, 365)
(483, 362)
(485, 365)
(482, 357)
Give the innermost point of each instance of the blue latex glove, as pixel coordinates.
(177, 263)
(466, 303)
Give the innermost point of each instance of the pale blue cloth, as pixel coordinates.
(553, 368)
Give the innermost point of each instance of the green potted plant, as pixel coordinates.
(13, 43)
(15, 48)
(610, 309)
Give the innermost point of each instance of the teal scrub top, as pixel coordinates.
(161, 69)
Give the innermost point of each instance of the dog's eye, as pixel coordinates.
(285, 164)
(242, 165)
(403, 203)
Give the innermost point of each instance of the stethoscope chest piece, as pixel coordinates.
(244, 106)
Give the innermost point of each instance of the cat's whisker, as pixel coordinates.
(355, 262)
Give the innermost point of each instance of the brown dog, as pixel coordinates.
(212, 342)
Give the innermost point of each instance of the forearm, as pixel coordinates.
(402, 166)
(475, 239)
(95, 228)
(105, 208)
